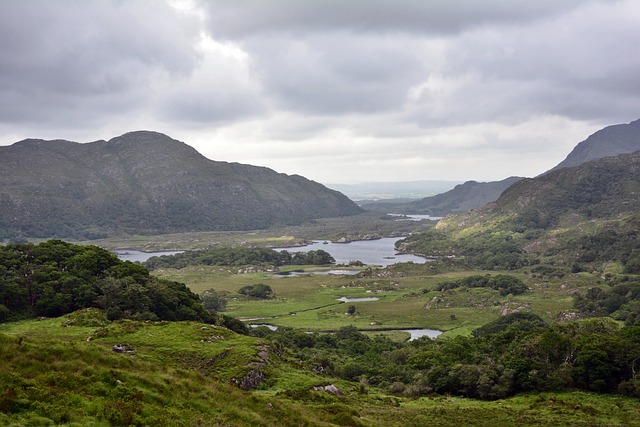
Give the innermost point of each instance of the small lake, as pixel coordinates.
(139, 256)
(371, 252)
(419, 333)
(363, 299)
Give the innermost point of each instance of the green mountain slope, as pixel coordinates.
(582, 214)
(146, 182)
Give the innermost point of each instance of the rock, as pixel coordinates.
(251, 380)
(121, 348)
(330, 389)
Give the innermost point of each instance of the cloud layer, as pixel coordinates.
(338, 91)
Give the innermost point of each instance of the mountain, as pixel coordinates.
(146, 182)
(582, 214)
(461, 198)
(610, 141)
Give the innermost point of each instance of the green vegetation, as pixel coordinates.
(515, 354)
(259, 291)
(55, 278)
(239, 256)
(620, 300)
(503, 283)
(189, 373)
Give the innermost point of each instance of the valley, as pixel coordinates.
(531, 301)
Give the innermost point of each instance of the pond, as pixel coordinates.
(139, 256)
(419, 333)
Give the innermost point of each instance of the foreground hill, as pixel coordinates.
(610, 141)
(146, 182)
(582, 214)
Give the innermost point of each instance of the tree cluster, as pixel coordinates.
(503, 283)
(54, 278)
(514, 354)
(621, 301)
(239, 256)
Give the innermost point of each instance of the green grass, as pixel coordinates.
(405, 300)
(180, 374)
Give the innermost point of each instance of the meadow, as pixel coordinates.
(407, 299)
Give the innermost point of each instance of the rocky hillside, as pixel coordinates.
(610, 141)
(146, 182)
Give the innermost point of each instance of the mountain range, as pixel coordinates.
(146, 182)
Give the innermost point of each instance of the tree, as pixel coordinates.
(213, 300)
(351, 310)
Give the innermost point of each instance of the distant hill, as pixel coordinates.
(586, 213)
(386, 191)
(146, 182)
(610, 141)
(461, 198)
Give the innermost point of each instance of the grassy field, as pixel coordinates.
(406, 301)
(184, 374)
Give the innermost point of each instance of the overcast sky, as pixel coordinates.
(339, 91)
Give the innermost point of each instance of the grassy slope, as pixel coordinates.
(51, 375)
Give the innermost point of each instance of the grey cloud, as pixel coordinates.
(336, 73)
(239, 18)
(70, 59)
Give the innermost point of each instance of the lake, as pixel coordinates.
(380, 252)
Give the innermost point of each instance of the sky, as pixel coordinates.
(339, 91)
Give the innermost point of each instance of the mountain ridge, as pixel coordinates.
(606, 142)
(147, 182)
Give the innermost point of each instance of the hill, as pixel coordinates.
(610, 141)
(461, 198)
(146, 183)
(371, 191)
(583, 214)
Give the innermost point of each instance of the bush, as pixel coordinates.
(260, 291)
